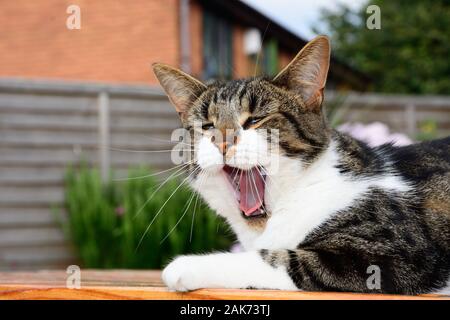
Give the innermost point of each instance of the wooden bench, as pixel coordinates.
(133, 284)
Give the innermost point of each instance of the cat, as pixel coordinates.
(334, 215)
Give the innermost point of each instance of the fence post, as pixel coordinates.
(411, 120)
(103, 135)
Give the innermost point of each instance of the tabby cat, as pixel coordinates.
(333, 214)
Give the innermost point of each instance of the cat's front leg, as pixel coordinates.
(225, 270)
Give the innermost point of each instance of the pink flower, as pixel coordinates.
(237, 247)
(374, 134)
(120, 211)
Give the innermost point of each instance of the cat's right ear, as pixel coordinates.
(307, 73)
(181, 88)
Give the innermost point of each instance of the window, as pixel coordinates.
(265, 62)
(217, 47)
(269, 61)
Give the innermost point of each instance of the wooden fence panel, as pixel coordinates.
(46, 126)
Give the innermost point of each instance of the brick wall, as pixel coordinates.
(196, 34)
(117, 42)
(240, 60)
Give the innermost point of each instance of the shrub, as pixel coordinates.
(107, 222)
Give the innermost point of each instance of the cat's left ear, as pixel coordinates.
(181, 88)
(307, 73)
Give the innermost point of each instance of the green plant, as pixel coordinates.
(409, 54)
(109, 223)
(427, 130)
(336, 109)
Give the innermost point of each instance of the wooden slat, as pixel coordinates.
(31, 177)
(368, 115)
(440, 117)
(82, 139)
(59, 87)
(31, 195)
(42, 137)
(27, 217)
(58, 264)
(86, 124)
(39, 119)
(69, 104)
(368, 99)
(31, 237)
(140, 142)
(129, 284)
(46, 103)
(12, 155)
(38, 255)
(120, 105)
(51, 157)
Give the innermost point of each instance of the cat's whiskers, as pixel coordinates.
(254, 184)
(175, 174)
(193, 215)
(164, 140)
(162, 207)
(149, 151)
(151, 174)
(262, 171)
(188, 205)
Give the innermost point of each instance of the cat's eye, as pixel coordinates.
(207, 126)
(251, 121)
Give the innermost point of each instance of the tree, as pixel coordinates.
(409, 54)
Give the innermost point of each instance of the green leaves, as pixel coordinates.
(106, 222)
(410, 54)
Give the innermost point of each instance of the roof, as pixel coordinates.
(243, 14)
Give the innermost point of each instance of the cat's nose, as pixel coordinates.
(223, 147)
(227, 142)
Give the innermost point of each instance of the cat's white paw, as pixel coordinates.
(225, 270)
(181, 274)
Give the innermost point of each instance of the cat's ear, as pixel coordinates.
(181, 88)
(307, 72)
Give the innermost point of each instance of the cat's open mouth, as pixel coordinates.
(249, 187)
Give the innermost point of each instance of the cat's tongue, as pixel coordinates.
(249, 186)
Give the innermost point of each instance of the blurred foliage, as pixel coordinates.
(409, 54)
(428, 130)
(106, 221)
(336, 109)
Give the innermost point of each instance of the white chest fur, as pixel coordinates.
(299, 199)
(302, 199)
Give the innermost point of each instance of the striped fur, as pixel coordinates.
(335, 208)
